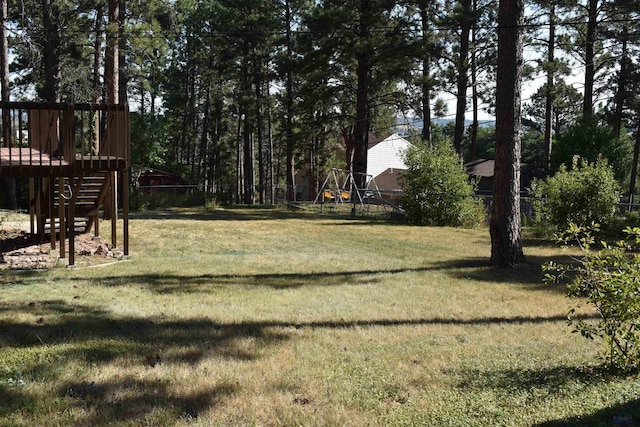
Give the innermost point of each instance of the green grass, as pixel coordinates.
(266, 317)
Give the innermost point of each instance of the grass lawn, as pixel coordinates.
(258, 317)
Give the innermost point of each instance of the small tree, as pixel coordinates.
(608, 280)
(590, 140)
(586, 194)
(437, 191)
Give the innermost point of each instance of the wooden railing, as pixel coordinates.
(60, 139)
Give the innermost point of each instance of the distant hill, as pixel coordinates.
(415, 124)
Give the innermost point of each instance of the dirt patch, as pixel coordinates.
(19, 250)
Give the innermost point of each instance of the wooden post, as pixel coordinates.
(32, 201)
(61, 214)
(125, 210)
(114, 207)
(72, 219)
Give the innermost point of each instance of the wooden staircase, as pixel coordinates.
(86, 193)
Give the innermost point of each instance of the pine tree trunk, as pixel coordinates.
(361, 133)
(621, 89)
(9, 182)
(590, 69)
(290, 141)
(361, 126)
(426, 75)
(474, 91)
(123, 97)
(50, 52)
(505, 227)
(462, 68)
(634, 165)
(550, 95)
(97, 66)
(111, 68)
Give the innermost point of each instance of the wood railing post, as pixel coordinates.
(61, 215)
(125, 210)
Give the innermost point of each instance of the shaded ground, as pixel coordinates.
(19, 250)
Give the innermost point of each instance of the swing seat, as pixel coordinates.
(328, 194)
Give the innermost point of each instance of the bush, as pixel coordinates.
(586, 194)
(616, 228)
(608, 280)
(437, 190)
(590, 140)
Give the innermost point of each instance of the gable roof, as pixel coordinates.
(480, 167)
(484, 168)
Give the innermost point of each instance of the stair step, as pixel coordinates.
(79, 226)
(86, 197)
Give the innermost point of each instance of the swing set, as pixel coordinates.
(340, 187)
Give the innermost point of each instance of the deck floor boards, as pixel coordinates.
(26, 161)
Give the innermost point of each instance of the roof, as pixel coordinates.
(374, 140)
(480, 167)
(484, 167)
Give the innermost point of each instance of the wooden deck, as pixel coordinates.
(28, 162)
(65, 146)
(23, 161)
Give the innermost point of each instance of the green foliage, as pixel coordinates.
(485, 143)
(586, 194)
(150, 136)
(590, 140)
(437, 190)
(532, 147)
(608, 281)
(567, 107)
(616, 228)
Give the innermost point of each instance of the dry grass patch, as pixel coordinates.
(266, 317)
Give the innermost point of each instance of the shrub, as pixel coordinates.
(586, 194)
(608, 280)
(590, 140)
(437, 190)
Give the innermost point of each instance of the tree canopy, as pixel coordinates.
(252, 100)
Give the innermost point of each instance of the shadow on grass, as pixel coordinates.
(232, 213)
(13, 398)
(174, 283)
(57, 322)
(481, 270)
(131, 400)
(99, 337)
(621, 415)
(120, 400)
(63, 333)
(558, 380)
(477, 269)
(551, 379)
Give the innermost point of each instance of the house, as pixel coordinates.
(385, 163)
(387, 154)
(482, 170)
(153, 180)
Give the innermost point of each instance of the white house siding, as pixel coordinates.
(387, 154)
